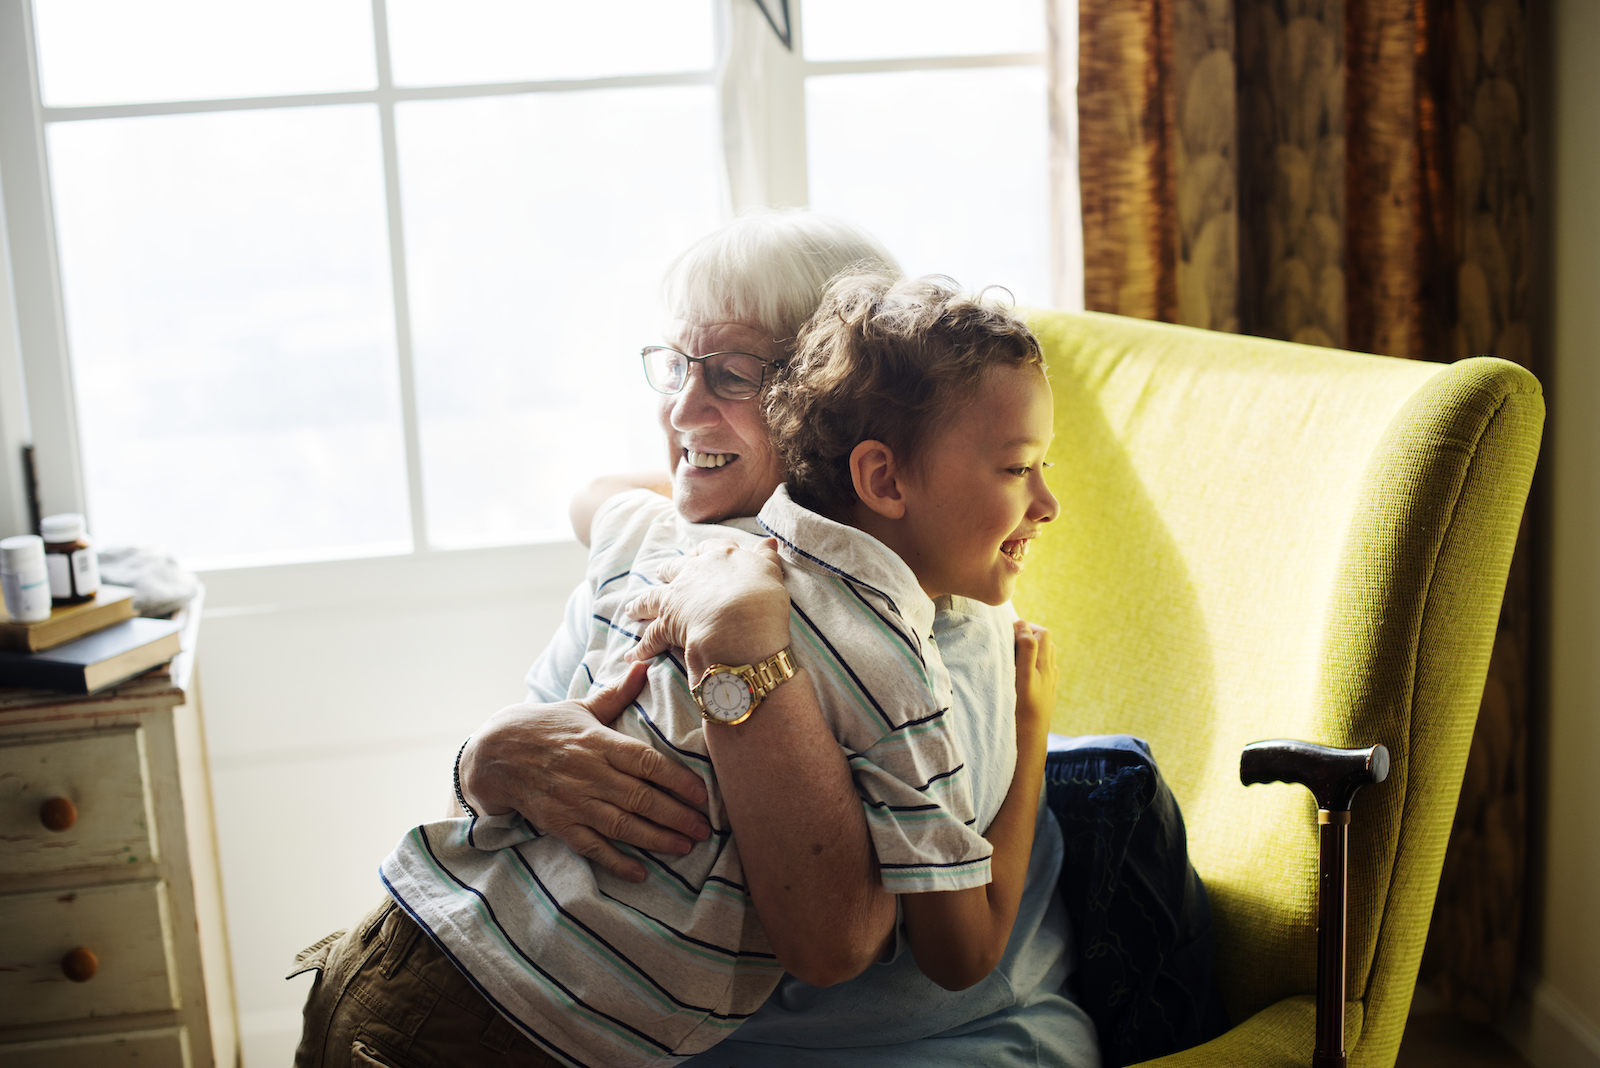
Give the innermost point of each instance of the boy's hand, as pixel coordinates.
(1037, 677)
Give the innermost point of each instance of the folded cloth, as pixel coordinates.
(160, 586)
(1138, 909)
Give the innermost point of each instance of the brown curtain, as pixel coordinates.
(1353, 173)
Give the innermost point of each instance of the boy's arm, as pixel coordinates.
(587, 501)
(958, 936)
(788, 791)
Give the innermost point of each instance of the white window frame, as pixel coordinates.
(766, 167)
(781, 163)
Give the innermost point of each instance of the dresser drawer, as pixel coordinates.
(125, 926)
(102, 775)
(165, 1048)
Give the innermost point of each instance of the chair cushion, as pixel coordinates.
(1140, 917)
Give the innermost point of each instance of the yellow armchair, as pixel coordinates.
(1266, 540)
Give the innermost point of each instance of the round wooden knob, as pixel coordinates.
(58, 813)
(79, 965)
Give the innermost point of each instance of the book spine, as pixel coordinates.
(43, 675)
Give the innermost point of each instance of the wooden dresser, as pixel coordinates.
(126, 889)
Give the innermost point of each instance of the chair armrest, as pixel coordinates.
(1279, 1036)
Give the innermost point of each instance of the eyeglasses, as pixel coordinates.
(730, 375)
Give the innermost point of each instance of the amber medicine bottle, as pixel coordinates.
(74, 568)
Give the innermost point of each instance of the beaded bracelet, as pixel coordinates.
(461, 799)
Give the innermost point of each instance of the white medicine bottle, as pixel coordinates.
(26, 582)
(73, 565)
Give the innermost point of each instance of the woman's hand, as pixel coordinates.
(1037, 677)
(721, 605)
(571, 775)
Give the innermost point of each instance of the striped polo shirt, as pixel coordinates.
(601, 971)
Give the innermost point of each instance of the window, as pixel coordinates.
(331, 278)
(928, 127)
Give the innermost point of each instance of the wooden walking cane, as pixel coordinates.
(1333, 776)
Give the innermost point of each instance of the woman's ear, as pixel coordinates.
(877, 479)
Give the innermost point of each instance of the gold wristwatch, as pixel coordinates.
(729, 693)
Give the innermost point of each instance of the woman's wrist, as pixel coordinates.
(750, 646)
(468, 782)
(743, 634)
(461, 798)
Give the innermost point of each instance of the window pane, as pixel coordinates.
(117, 52)
(537, 229)
(230, 315)
(955, 184)
(888, 29)
(475, 42)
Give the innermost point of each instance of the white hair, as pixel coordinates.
(767, 269)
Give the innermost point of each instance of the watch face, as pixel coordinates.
(726, 696)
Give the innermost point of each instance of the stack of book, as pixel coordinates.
(85, 647)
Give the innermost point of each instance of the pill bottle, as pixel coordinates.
(26, 582)
(74, 568)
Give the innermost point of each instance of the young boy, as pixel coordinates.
(914, 421)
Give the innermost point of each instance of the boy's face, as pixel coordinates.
(721, 458)
(977, 497)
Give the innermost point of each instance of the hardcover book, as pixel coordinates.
(96, 661)
(112, 604)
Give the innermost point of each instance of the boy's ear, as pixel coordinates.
(877, 479)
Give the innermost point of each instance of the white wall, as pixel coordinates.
(1563, 1028)
(335, 696)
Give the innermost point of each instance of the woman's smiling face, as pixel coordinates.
(976, 496)
(721, 459)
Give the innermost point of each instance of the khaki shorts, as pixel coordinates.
(387, 996)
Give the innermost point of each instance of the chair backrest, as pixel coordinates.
(1263, 540)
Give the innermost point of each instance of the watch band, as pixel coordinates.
(765, 676)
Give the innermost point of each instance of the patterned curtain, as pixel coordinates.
(1353, 173)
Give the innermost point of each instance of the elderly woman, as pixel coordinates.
(851, 995)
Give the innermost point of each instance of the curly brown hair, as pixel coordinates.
(883, 360)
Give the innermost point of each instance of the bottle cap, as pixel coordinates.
(21, 552)
(68, 526)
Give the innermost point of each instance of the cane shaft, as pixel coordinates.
(1334, 835)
